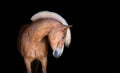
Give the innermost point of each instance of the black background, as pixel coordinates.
(94, 35)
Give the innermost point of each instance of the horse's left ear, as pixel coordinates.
(69, 26)
(66, 27)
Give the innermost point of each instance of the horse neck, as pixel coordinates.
(42, 30)
(39, 33)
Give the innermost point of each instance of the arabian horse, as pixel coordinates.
(32, 42)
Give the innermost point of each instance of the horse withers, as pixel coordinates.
(32, 42)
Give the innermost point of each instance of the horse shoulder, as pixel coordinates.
(22, 29)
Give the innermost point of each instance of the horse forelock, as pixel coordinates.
(48, 14)
(68, 38)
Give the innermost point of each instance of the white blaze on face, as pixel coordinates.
(62, 50)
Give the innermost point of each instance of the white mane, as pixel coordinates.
(48, 14)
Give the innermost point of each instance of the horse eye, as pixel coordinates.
(63, 37)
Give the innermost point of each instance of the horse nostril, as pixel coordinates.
(56, 53)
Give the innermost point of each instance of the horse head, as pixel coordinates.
(57, 38)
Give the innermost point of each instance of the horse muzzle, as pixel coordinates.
(57, 53)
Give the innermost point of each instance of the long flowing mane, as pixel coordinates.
(48, 14)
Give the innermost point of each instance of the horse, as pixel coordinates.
(32, 42)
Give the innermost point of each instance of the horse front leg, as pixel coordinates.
(44, 64)
(28, 65)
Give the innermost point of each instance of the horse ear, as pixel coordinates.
(69, 26)
(66, 27)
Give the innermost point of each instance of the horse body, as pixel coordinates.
(32, 37)
(33, 44)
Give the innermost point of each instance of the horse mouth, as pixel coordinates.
(57, 53)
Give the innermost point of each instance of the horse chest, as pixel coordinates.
(36, 53)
